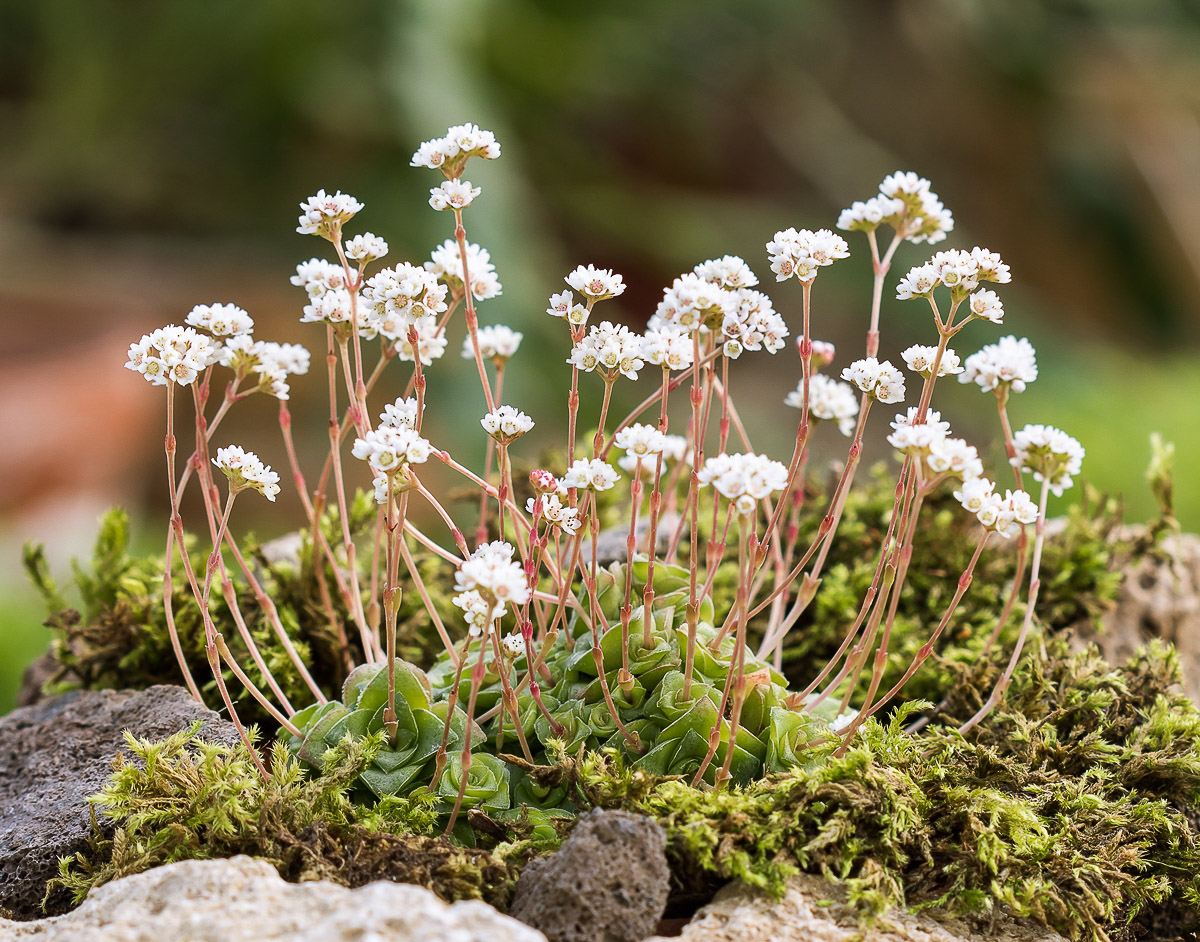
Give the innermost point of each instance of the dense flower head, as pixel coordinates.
(171, 354)
(391, 448)
(986, 305)
(801, 253)
(246, 472)
(668, 346)
(917, 440)
(445, 263)
(492, 573)
(431, 342)
(220, 320)
(555, 512)
(957, 269)
(728, 271)
(400, 414)
(828, 399)
(399, 296)
(366, 247)
(954, 457)
(823, 352)
(1005, 515)
(610, 348)
(907, 204)
(332, 306)
(479, 613)
(1050, 454)
(506, 423)
(919, 358)
(743, 478)
(870, 214)
(563, 305)
(449, 153)
(1008, 362)
(543, 481)
(324, 215)
(496, 343)
(640, 441)
(881, 381)
(316, 276)
(596, 283)
(272, 362)
(453, 194)
(933, 419)
(752, 321)
(674, 448)
(692, 302)
(590, 474)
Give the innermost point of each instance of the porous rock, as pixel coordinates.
(607, 883)
(814, 910)
(52, 756)
(244, 900)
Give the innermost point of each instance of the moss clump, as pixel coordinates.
(181, 799)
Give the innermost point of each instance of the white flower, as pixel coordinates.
(933, 419)
(925, 219)
(316, 276)
(325, 215)
(596, 283)
(1024, 507)
(961, 272)
(400, 414)
(331, 307)
(492, 573)
(865, 216)
(514, 644)
(1007, 362)
(1006, 515)
(1050, 454)
(954, 457)
(801, 253)
(496, 343)
(450, 152)
(391, 449)
(743, 475)
(453, 194)
(990, 267)
(668, 346)
(728, 271)
(591, 474)
(171, 354)
(273, 362)
(986, 304)
(879, 380)
(246, 472)
(555, 512)
(366, 247)
(431, 344)
(918, 283)
(692, 302)
(916, 440)
(479, 613)
(445, 264)
(640, 441)
(974, 494)
(828, 400)
(612, 349)
(400, 296)
(220, 320)
(506, 423)
(919, 359)
(823, 352)
(751, 320)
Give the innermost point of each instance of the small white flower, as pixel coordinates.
(397, 297)
(366, 247)
(506, 423)
(330, 307)
(514, 644)
(748, 475)
(610, 348)
(496, 343)
(955, 458)
(640, 442)
(692, 302)
(594, 474)
(479, 613)
(555, 512)
(400, 414)
(974, 494)
(324, 215)
(1007, 362)
(492, 573)
(800, 253)
(246, 472)
(865, 216)
(596, 283)
(669, 347)
(933, 419)
(919, 359)
(918, 283)
(751, 319)
(986, 304)
(827, 400)
(316, 276)
(171, 354)
(445, 264)
(450, 152)
(728, 271)
(220, 320)
(453, 194)
(391, 449)
(1049, 454)
(879, 380)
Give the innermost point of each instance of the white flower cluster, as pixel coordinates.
(751, 323)
(1007, 362)
(273, 362)
(563, 305)
(590, 474)
(449, 153)
(445, 263)
(674, 448)
(907, 204)
(478, 612)
(692, 302)
(397, 298)
(1050, 454)
(318, 276)
(555, 512)
(881, 381)
(496, 343)
(506, 423)
(800, 254)
(919, 358)
(453, 194)
(669, 347)
(823, 352)
(365, 247)
(220, 320)
(492, 573)
(431, 343)
(1006, 515)
(332, 306)
(828, 399)
(960, 271)
(610, 348)
(596, 284)
(171, 354)
(728, 271)
(931, 444)
(390, 449)
(743, 478)
(246, 472)
(324, 215)
(640, 441)
(400, 414)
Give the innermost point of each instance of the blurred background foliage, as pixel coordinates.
(152, 156)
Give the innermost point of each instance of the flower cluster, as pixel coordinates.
(640, 442)
(919, 359)
(880, 381)
(318, 276)
(596, 284)
(171, 354)
(400, 297)
(390, 449)
(1008, 363)
(800, 254)
(365, 247)
(828, 399)
(506, 424)
(744, 478)
(492, 573)
(563, 305)
(324, 215)
(907, 204)
(445, 263)
(674, 448)
(751, 323)
(453, 194)
(273, 362)
(246, 472)
(960, 271)
(555, 512)
(593, 474)
(728, 271)
(450, 152)
(400, 414)
(220, 320)
(669, 347)
(610, 348)
(1050, 454)
(1005, 515)
(496, 343)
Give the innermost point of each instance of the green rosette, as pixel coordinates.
(526, 791)
(487, 786)
(668, 702)
(788, 733)
(569, 714)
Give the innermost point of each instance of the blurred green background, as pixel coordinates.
(152, 156)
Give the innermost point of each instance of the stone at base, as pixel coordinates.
(244, 900)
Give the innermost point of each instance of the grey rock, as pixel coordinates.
(815, 910)
(244, 900)
(52, 756)
(607, 883)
